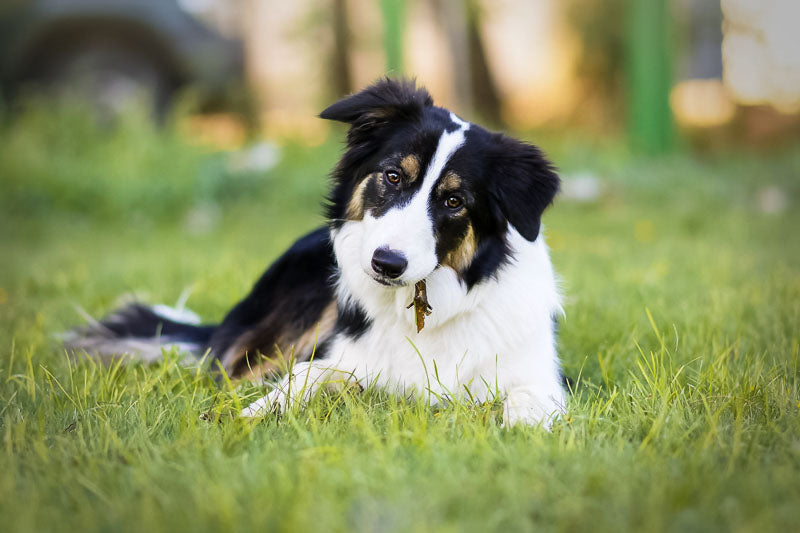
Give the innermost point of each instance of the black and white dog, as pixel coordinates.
(419, 194)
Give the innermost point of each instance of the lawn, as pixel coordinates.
(682, 284)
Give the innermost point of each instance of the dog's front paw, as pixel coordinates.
(273, 402)
(529, 416)
(523, 407)
(295, 389)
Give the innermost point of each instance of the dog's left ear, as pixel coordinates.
(522, 183)
(385, 101)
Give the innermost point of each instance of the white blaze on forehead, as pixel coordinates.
(464, 125)
(449, 142)
(409, 228)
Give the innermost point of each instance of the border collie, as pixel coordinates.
(427, 211)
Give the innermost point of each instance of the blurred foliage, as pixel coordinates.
(600, 27)
(61, 159)
(58, 158)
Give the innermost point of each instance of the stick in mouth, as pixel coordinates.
(420, 303)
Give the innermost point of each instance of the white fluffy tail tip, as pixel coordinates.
(178, 314)
(102, 338)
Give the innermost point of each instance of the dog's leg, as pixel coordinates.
(525, 405)
(299, 386)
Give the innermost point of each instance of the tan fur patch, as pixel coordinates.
(451, 182)
(231, 356)
(355, 207)
(264, 366)
(300, 347)
(461, 257)
(410, 165)
(304, 343)
(298, 344)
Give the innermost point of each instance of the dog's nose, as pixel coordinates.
(388, 262)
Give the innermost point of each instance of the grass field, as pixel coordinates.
(681, 329)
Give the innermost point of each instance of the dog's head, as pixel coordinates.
(430, 190)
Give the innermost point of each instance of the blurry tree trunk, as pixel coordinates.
(452, 17)
(649, 72)
(705, 39)
(342, 78)
(473, 86)
(485, 97)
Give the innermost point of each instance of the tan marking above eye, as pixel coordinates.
(450, 182)
(355, 207)
(410, 165)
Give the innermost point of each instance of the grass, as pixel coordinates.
(683, 300)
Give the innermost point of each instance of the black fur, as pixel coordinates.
(353, 321)
(382, 103)
(136, 327)
(139, 321)
(523, 183)
(289, 298)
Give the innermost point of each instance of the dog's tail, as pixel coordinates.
(141, 332)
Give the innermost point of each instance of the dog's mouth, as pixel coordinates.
(389, 282)
(394, 283)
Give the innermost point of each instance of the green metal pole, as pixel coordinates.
(649, 66)
(393, 12)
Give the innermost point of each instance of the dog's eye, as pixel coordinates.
(392, 176)
(453, 202)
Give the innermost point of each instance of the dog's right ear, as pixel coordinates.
(523, 183)
(385, 101)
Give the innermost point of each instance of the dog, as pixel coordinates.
(425, 210)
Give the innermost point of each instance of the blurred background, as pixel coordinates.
(675, 124)
(661, 72)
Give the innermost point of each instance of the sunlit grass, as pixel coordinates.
(682, 305)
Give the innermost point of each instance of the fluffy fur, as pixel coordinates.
(419, 194)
